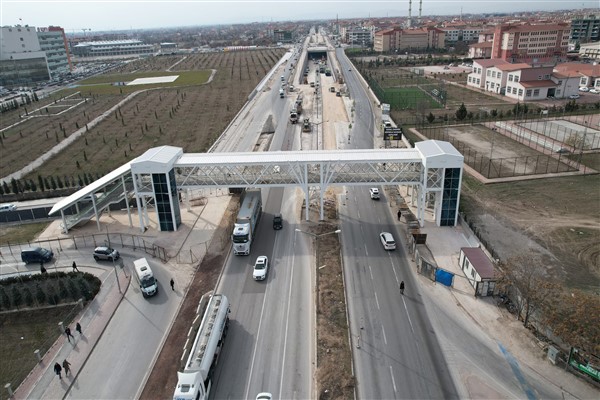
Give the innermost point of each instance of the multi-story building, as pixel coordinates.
(461, 32)
(113, 48)
(22, 60)
(281, 36)
(526, 82)
(54, 43)
(590, 50)
(585, 29)
(409, 39)
(358, 36)
(531, 43)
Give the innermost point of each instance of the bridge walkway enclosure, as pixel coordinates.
(155, 178)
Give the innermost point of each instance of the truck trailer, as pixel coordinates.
(195, 381)
(247, 220)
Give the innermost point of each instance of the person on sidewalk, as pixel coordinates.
(42, 269)
(75, 269)
(57, 370)
(402, 287)
(66, 366)
(69, 334)
(78, 328)
(172, 284)
(399, 214)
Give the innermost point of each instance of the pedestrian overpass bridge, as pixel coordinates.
(156, 177)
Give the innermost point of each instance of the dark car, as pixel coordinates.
(36, 255)
(277, 222)
(105, 253)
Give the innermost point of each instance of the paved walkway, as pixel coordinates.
(188, 244)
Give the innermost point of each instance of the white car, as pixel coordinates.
(374, 192)
(264, 396)
(387, 240)
(574, 96)
(261, 267)
(584, 89)
(595, 91)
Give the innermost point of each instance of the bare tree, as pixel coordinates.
(525, 278)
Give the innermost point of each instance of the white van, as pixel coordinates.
(145, 277)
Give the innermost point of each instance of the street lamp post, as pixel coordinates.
(317, 240)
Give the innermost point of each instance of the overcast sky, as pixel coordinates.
(75, 15)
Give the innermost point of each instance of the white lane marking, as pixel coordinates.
(371, 272)
(366, 251)
(377, 301)
(393, 380)
(287, 319)
(256, 342)
(408, 315)
(384, 337)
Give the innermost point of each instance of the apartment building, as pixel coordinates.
(585, 29)
(461, 32)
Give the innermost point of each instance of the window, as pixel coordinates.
(528, 93)
(520, 92)
(510, 77)
(516, 78)
(499, 75)
(489, 72)
(514, 90)
(536, 92)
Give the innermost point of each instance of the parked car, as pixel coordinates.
(584, 89)
(574, 96)
(595, 91)
(36, 255)
(261, 267)
(7, 207)
(387, 240)
(374, 192)
(264, 396)
(105, 253)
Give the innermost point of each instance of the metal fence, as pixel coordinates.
(58, 245)
(505, 167)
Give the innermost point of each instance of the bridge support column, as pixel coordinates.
(93, 197)
(126, 201)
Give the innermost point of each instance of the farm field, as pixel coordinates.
(190, 116)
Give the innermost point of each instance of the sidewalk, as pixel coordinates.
(186, 247)
(42, 382)
(496, 323)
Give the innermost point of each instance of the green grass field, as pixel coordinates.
(106, 84)
(408, 97)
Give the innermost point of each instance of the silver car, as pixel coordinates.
(105, 253)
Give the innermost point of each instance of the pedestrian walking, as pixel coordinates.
(42, 269)
(399, 214)
(66, 366)
(75, 267)
(57, 370)
(69, 334)
(78, 328)
(172, 284)
(402, 287)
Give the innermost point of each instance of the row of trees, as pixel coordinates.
(48, 183)
(572, 315)
(47, 289)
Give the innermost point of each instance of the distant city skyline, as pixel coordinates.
(108, 15)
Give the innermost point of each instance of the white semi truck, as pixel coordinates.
(195, 381)
(247, 220)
